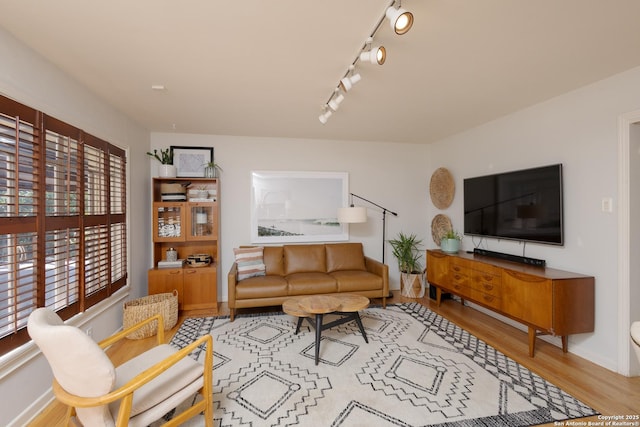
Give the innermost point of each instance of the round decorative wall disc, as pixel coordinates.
(440, 225)
(442, 188)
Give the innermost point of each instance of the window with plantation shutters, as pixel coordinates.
(19, 208)
(62, 219)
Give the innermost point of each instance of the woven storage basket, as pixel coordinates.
(140, 309)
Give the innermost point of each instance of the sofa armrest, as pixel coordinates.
(379, 269)
(231, 284)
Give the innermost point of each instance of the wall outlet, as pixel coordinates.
(89, 331)
(607, 204)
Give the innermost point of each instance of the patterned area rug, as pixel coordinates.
(418, 369)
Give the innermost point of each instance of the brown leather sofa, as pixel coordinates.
(294, 270)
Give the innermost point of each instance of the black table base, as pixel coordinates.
(319, 326)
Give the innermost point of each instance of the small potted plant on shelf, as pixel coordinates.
(406, 249)
(450, 242)
(165, 157)
(211, 169)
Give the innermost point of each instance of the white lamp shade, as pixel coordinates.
(352, 214)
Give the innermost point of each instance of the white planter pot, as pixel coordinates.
(167, 171)
(412, 285)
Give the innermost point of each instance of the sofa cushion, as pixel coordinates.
(274, 260)
(356, 280)
(304, 259)
(345, 256)
(311, 283)
(250, 262)
(261, 287)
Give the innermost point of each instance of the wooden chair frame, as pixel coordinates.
(126, 391)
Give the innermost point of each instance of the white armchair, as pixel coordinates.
(136, 393)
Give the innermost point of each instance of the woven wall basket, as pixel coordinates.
(440, 225)
(442, 188)
(140, 309)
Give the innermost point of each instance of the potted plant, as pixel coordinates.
(203, 192)
(406, 249)
(211, 169)
(165, 157)
(450, 242)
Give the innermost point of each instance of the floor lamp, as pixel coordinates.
(355, 214)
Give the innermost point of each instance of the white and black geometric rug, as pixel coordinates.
(418, 369)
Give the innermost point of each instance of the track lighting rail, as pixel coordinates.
(400, 21)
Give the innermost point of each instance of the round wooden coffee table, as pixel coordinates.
(314, 307)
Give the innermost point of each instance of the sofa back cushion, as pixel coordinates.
(274, 260)
(345, 256)
(304, 259)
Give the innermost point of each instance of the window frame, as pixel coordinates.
(100, 226)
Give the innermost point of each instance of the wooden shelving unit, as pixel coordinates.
(190, 227)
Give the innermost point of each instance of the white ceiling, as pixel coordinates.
(265, 68)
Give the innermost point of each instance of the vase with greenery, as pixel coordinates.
(211, 169)
(408, 252)
(165, 157)
(450, 242)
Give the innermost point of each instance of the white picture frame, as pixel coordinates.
(295, 207)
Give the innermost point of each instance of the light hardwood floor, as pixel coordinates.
(603, 390)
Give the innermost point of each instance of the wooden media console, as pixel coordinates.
(547, 300)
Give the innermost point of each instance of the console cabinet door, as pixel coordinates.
(437, 268)
(528, 298)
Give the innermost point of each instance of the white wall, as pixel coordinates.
(391, 175)
(579, 130)
(25, 377)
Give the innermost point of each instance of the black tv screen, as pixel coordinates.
(521, 205)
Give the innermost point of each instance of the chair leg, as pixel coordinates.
(70, 417)
(208, 410)
(384, 302)
(207, 387)
(233, 313)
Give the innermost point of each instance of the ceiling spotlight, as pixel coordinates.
(376, 55)
(347, 83)
(336, 100)
(325, 116)
(400, 20)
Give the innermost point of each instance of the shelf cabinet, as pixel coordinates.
(547, 300)
(190, 227)
(168, 222)
(198, 292)
(163, 280)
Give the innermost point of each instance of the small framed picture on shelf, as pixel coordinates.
(191, 161)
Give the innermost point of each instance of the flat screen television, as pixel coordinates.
(523, 205)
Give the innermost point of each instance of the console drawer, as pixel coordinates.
(488, 300)
(461, 278)
(487, 283)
